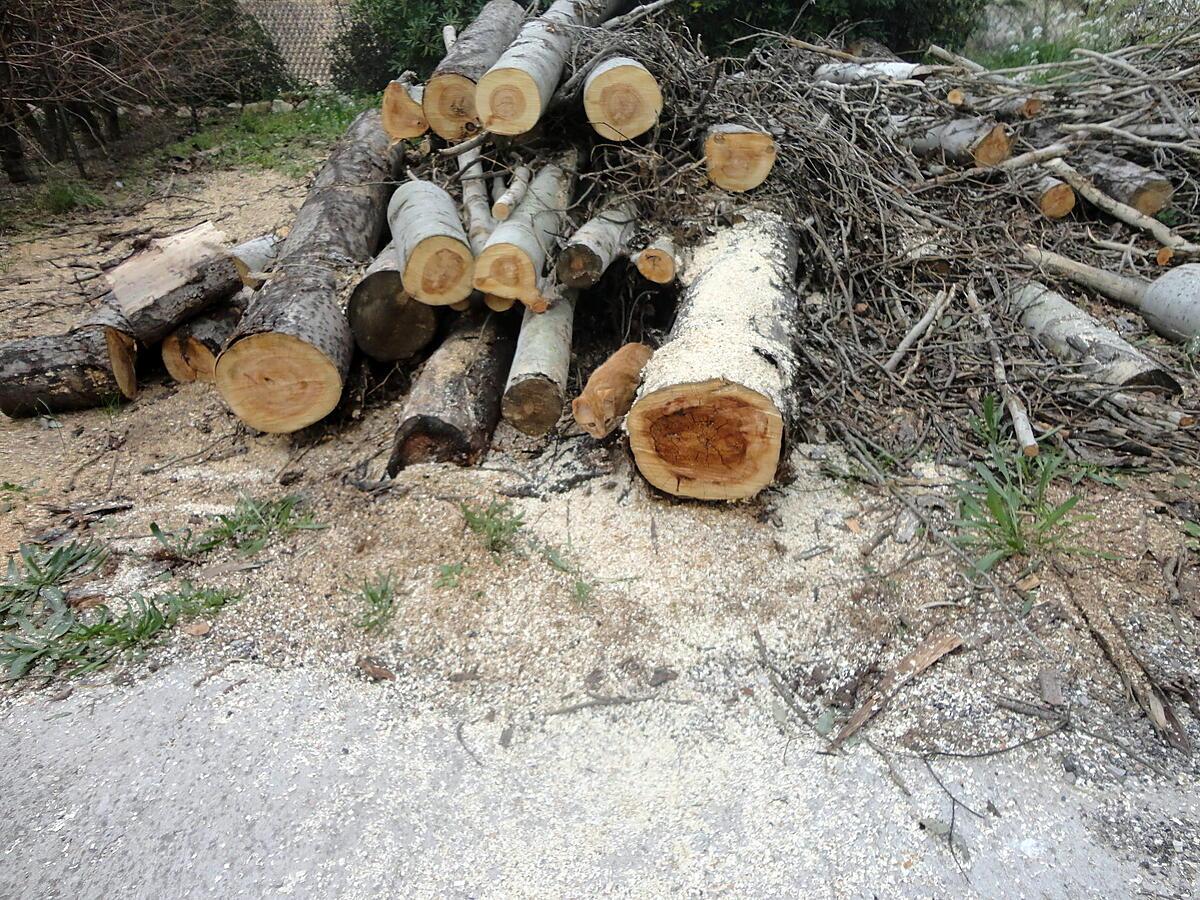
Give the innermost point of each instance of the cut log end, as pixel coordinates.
(508, 101)
(622, 100)
(122, 356)
(656, 264)
(994, 148)
(533, 405)
(1056, 200)
(504, 270)
(1153, 198)
(187, 359)
(449, 106)
(579, 267)
(712, 440)
(498, 304)
(388, 324)
(739, 160)
(439, 271)
(402, 112)
(277, 383)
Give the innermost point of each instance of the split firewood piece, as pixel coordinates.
(610, 390)
(622, 99)
(512, 262)
(56, 373)
(1076, 337)
(738, 158)
(1145, 190)
(449, 101)
(454, 404)
(514, 92)
(1170, 303)
(512, 196)
(435, 258)
(973, 141)
(286, 364)
(710, 417)
(403, 111)
(889, 70)
(1055, 198)
(537, 382)
(1007, 107)
(387, 322)
(658, 261)
(595, 246)
(254, 258)
(190, 351)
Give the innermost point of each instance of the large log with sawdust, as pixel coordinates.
(710, 419)
(286, 364)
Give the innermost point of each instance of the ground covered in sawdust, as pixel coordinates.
(613, 595)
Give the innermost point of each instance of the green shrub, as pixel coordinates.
(64, 196)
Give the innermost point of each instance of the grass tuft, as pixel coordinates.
(379, 597)
(497, 524)
(64, 196)
(249, 528)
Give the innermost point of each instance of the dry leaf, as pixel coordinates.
(854, 525)
(1030, 582)
(375, 669)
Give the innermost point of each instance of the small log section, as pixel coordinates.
(1007, 108)
(514, 93)
(658, 262)
(512, 196)
(622, 99)
(738, 158)
(709, 420)
(1054, 198)
(891, 70)
(286, 364)
(190, 351)
(403, 111)
(387, 322)
(449, 100)
(1125, 181)
(595, 246)
(435, 258)
(78, 370)
(610, 390)
(536, 389)
(254, 258)
(974, 141)
(454, 405)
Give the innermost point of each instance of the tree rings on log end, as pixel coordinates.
(712, 440)
(1153, 198)
(402, 114)
(533, 406)
(994, 148)
(1057, 200)
(449, 105)
(504, 270)
(187, 359)
(739, 160)
(622, 99)
(439, 271)
(277, 383)
(579, 267)
(657, 265)
(388, 324)
(508, 102)
(122, 354)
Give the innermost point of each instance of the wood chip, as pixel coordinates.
(198, 628)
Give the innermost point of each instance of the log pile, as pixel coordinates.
(855, 245)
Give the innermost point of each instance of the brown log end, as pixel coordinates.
(739, 161)
(187, 359)
(994, 148)
(439, 271)
(498, 304)
(656, 265)
(505, 271)
(425, 439)
(387, 323)
(277, 383)
(1032, 107)
(579, 267)
(403, 119)
(1057, 201)
(622, 102)
(507, 101)
(1164, 256)
(449, 105)
(712, 440)
(1152, 198)
(533, 405)
(122, 355)
(956, 96)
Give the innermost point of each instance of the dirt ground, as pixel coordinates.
(608, 726)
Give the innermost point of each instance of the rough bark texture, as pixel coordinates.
(716, 398)
(450, 92)
(973, 141)
(402, 111)
(454, 403)
(337, 227)
(1134, 185)
(621, 99)
(738, 158)
(536, 389)
(60, 372)
(431, 244)
(595, 246)
(190, 351)
(254, 259)
(388, 324)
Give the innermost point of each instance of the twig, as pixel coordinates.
(1016, 409)
(940, 302)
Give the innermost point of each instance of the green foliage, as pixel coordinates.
(36, 575)
(249, 528)
(379, 598)
(448, 575)
(64, 196)
(498, 525)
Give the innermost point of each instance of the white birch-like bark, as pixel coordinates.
(431, 245)
(596, 245)
(535, 393)
(253, 259)
(512, 196)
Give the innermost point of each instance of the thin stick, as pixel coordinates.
(1016, 409)
(1033, 157)
(940, 302)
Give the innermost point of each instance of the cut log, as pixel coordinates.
(535, 392)
(659, 261)
(889, 70)
(190, 351)
(610, 390)
(513, 194)
(515, 92)
(738, 158)
(512, 262)
(1007, 107)
(595, 246)
(1125, 181)
(1054, 198)
(716, 398)
(1076, 337)
(285, 366)
(254, 259)
(435, 258)
(974, 141)
(387, 323)
(622, 99)
(498, 304)
(78, 370)
(449, 101)
(403, 112)
(454, 405)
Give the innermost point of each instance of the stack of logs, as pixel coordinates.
(488, 223)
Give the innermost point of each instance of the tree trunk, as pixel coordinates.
(387, 323)
(403, 111)
(254, 258)
(454, 405)
(190, 351)
(1131, 184)
(12, 154)
(738, 158)
(716, 398)
(537, 382)
(511, 263)
(595, 246)
(1054, 198)
(450, 93)
(516, 90)
(610, 390)
(659, 261)
(286, 364)
(973, 141)
(512, 196)
(60, 372)
(622, 99)
(435, 258)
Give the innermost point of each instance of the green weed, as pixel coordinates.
(498, 525)
(64, 196)
(37, 575)
(449, 574)
(379, 597)
(249, 528)
(1192, 530)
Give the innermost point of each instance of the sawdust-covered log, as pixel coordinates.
(535, 392)
(1054, 197)
(1144, 189)
(431, 245)
(738, 158)
(403, 111)
(596, 245)
(852, 72)
(658, 261)
(610, 390)
(510, 198)
(57, 373)
(387, 322)
(449, 100)
(710, 418)
(972, 141)
(288, 360)
(253, 259)
(514, 92)
(190, 351)
(622, 99)
(454, 404)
